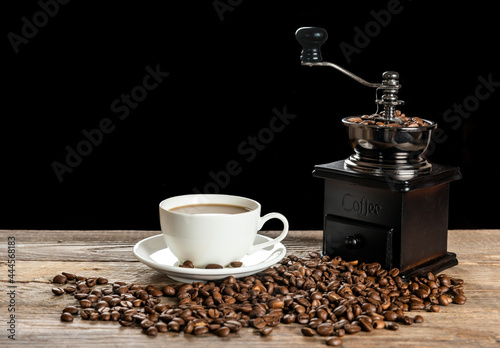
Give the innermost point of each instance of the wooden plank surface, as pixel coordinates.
(40, 255)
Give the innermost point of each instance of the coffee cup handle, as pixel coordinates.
(283, 234)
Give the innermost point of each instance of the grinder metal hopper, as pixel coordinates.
(384, 203)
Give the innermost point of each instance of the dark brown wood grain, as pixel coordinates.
(40, 255)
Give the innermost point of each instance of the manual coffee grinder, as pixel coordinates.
(385, 203)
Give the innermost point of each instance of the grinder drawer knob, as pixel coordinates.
(352, 242)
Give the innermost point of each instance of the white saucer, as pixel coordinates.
(154, 252)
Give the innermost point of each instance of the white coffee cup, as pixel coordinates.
(214, 238)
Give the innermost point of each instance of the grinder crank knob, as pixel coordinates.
(311, 39)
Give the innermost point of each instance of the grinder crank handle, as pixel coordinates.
(311, 39)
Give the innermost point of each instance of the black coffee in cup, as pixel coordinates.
(210, 209)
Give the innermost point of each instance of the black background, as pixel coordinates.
(227, 72)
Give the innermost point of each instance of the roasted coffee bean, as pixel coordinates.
(85, 303)
(459, 299)
(303, 318)
(233, 325)
(307, 331)
(200, 330)
(340, 324)
(390, 316)
(213, 266)
(169, 290)
(334, 341)
(418, 319)
(147, 323)
(57, 291)
(444, 300)
(69, 276)
(338, 311)
(352, 328)
(105, 316)
(189, 328)
(435, 308)
(92, 298)
(152, 331)
(236, 264)
(161, 326)
(115, 316)
(223, 331)
(101, 281)
(276, 303)
(407, 320)
(417, 306)
(67, 317)
(365, 325)
(392, 326)
(187, 264)
(70, 289)
(266, 331)
(339, 333)
(325, 329)
(288, 318)
(174, 326)
(101, 304)
(257, 323)
(60, 279)
(125, 322)
(70, 310)
(155, 292)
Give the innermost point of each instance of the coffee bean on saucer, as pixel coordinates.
(213, 266)
(236, 264)
(187, 264)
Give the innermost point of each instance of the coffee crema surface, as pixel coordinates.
(223, 209)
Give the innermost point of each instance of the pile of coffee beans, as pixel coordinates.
(330, 297)
(400, 121)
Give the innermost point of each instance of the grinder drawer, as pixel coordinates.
(357, 240)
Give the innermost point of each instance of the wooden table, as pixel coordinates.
(40, 255)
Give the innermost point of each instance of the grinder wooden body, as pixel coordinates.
(399, 223)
